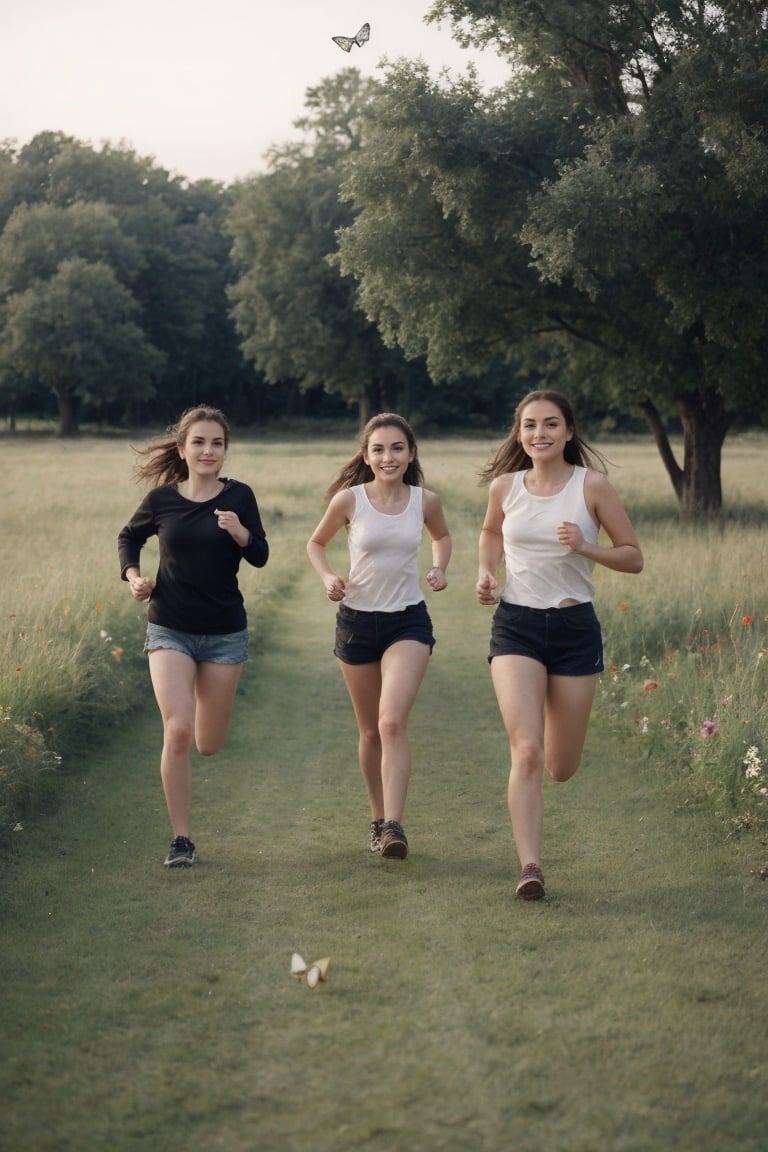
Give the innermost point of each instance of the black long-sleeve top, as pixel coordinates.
(196, 587)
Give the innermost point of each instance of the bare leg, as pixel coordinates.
(402, 671)
(363, 683)
(173, 679)
(521, 685)
(567, 711)
(195, 702)
(546, 719)
(382, 696)
(215, 689)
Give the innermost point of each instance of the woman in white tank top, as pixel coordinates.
(545, 511)
(383, 631)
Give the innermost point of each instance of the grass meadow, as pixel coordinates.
(686, 642)
(148, 1009)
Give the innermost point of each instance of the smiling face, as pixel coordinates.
(543, 430)
(388, 453)
(204, 448)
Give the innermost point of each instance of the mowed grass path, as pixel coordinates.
(153, 1010)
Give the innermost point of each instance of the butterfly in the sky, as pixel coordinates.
(314, 973)
(346, 42)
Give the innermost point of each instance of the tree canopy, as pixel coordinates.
(108, 220)
(78, 334)
(299, 318)
(608, 204)
(595, 224)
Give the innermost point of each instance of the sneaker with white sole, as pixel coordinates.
(181, 853)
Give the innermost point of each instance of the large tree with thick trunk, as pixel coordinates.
(608, 204)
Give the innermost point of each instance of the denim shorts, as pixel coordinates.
(228, 648)
(363, 637)
(567, 641)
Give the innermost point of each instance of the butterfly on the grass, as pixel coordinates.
(347, 42)
(313, 973)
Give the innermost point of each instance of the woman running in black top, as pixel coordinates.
(197, 638)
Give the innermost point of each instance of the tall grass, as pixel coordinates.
(686, 642)
(689, 678)
(70, 649)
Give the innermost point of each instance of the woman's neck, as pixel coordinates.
(388, 495)
(545, 477)
(199, 490)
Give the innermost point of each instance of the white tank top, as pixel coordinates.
(384, 555)
(540, 572)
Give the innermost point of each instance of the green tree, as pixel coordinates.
(608, 203)
(77, 333)
(165, 243)
(37, 238)
(299, 318)
(51, 342)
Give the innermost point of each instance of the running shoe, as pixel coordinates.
(394, 843)
(531, 884)
(376, 827)
(181, 853)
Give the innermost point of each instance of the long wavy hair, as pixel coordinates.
(356, 471)
(161, 463)
(512, 457)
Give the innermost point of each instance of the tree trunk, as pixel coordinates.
(697, 485)
(705, 425)
(373, 400)
(67, 418)
(659, 432)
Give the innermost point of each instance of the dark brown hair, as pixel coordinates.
(356, 471)
(512, 457)
(162, 463)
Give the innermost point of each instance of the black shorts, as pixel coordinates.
(567, 641)
(363, 637)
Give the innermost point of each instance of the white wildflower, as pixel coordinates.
(752, 763)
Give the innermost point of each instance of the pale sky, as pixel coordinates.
(204, 88)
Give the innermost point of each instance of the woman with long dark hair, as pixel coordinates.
(197, 635)
(546, 509)
(383, 630)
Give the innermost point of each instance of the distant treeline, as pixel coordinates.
(115, 282)
(597, 225)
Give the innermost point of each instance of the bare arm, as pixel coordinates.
(442, 545)
(337, 516)
(604, 503)
(491, 547)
